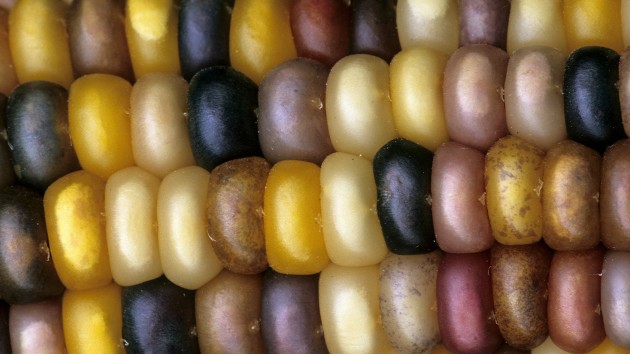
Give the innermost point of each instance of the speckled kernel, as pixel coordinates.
(514, 179)
(519, 289)
(408, 301)
(235, 214)
(571, 197)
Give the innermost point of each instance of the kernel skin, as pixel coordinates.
(615, 196)
(350, 223)
(615, 297)
(7, 175)
(260, 36)
(92, 320)
(350, 312)
(483, 22)
(402, 172)
(574, 306)
(514, 178)
(186, 252)
(608, 347)
(428, 23)
(151, 29)
(591, 99)
(36, 327)
(321, 29)
(7, 70)
(37, 128)
(159, 128)
(203, 34)
(474, 109)
(358, 105)
(293, 233)
(131, 226)
(98, 116)
(373, 28)
(40, 48)
(593, 22)
(416, 96)
(222, 116)
(534, 102)
(519, 289)
(536, 23)
(292, 121)
(624, 86)
(407, 298)
(465, 305)
(289, 317)
(570, 197)
(27, 271)
(227, 312)
(235, 214)
(75, 219)
(159, 317)
(458, 200)
(96, 35)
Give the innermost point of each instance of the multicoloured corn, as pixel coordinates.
(276, 195)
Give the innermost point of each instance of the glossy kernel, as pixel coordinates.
(483, 22)
(293, 226)
(98, 115)
(292, 122)
(186, 252)
(290, 318)
(37, 327)
(534, 102)
(227, 311)
(536, 23)
(458, 200)
(416, 94)
(402, 172)
(96, 34)
(614, 199)
(92, 320)
(570, 197)
(358, 105)
(474, 109)
(159, 317)
(131, 224)
(351, 227)
(349, 307)
(75, 219)
(428, 23)
(40, 47)
(27, 272)
(514, 179)
(151, 29)
(260, 36)
(591, 99)
(593, 22)
(159, 126)
(7, 69)
(465, 303)
(37, 130)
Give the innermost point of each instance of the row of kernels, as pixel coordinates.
(102, 230)
(147, 36)
(343, 291)
(105, 107)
